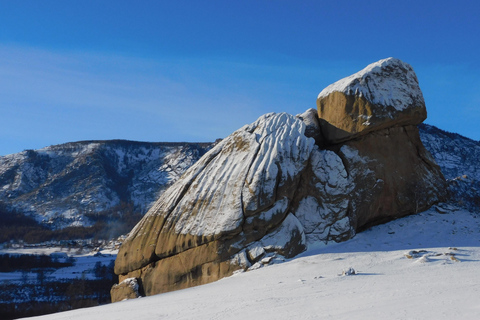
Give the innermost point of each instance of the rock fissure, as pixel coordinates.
(245, 181)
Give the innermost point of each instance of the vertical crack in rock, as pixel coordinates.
(245, 180)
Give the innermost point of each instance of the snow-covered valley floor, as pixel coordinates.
(425, 266)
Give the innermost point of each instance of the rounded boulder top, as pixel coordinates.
(384, 94)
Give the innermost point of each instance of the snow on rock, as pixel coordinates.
(281, 156)
(310, 118)
(288, 239)
(240, 259)
(238, 193)
(127, 289)
(255, 253)
(384, 94)
(388, 82)
(348, 272)
(269, 189)
(324, 197)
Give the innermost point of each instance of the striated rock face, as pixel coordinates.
(280, 184)
(384, 94)
(226, 207)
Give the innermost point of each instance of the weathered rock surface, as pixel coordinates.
(277, 186)
(313, 129)
(384, 94)
(394, 176)
(239, 193)
(127, 289)
(322, 204)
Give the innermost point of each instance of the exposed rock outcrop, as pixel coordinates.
(394, 176)
(280, 184)
(127, 289)
(202, 227)
(382, 95)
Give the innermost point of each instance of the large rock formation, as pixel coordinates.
(269, 191)
(238, 195)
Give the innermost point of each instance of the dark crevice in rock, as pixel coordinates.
(342, 157)
(259, 147)
(187, 185)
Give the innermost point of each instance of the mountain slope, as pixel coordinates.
(457, 157)
(62, 185)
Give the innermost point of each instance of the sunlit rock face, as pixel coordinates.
(277, 186)
(384, 94)
(235, 202)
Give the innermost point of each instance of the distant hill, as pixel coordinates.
(458, 158)
(81, 183)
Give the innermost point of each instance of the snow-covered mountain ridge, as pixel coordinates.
(457, 157)
(60, 185)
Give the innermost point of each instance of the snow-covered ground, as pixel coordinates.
(83, 267)
(419, 267)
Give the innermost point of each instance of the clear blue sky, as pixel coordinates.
(198, 70)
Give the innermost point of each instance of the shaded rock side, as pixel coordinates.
(322, 202)
(394, 176)
(313, 130)
(384, 94)
(239, 193)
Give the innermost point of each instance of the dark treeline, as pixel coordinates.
(56, 296)
(21, 262)
(106, 225)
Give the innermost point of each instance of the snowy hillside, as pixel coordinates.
(419, 267)
(61, 185)
(458, 158)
